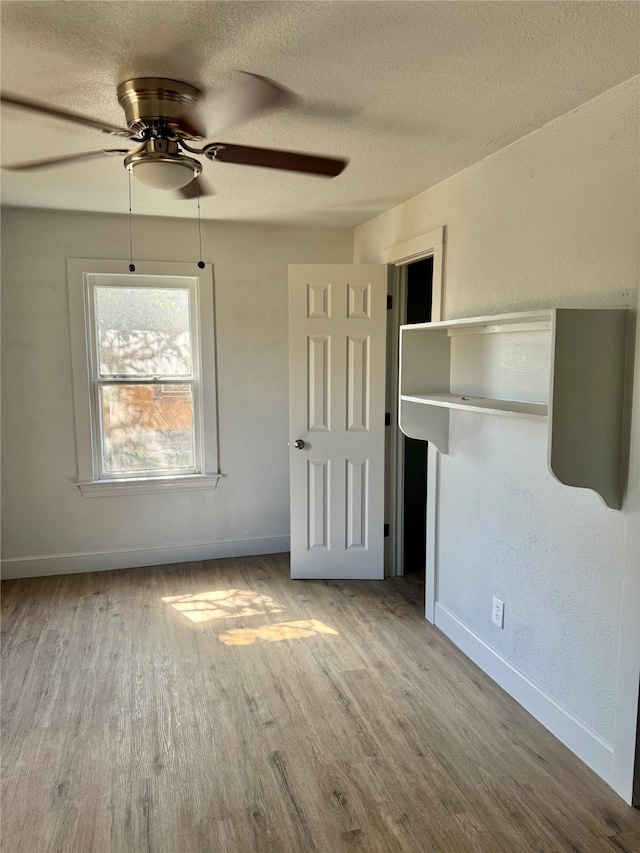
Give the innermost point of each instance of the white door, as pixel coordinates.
(337, 340)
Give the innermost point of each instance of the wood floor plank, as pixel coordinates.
(628, 842)
(219, 707)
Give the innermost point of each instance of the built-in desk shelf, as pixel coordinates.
(485, 404)
(563, 366)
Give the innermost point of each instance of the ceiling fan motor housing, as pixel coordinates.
(155, 101)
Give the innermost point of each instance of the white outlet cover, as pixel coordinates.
(497, 614)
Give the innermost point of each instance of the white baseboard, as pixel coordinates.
(64, 564)
(572, 732)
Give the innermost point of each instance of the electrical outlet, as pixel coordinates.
(497, 613)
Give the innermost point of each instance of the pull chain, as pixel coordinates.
(200, 262)
(131, 264)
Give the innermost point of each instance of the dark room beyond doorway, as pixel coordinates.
(419, 282)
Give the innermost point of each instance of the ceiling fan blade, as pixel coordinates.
(69, 158)
(247, 96)
(197, 187)
(45, 109)
(270, 158)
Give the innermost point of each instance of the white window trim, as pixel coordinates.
(78, 269)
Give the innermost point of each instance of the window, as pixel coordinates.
(144, 376)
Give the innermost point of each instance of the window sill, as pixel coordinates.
(144, 486)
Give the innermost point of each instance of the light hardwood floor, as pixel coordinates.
(294, 716)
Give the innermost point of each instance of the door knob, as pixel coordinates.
(298, 444)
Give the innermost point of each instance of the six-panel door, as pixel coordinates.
(337, 334)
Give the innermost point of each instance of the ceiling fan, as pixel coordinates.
(164, 117)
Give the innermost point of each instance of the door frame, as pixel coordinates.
(398, 257)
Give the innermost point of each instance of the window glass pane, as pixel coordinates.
(143, 331)
(147, 428)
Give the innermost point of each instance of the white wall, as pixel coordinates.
(552, 220)
(47, 525)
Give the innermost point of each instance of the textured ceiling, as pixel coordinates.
(410, 92)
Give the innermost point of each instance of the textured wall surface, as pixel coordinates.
(43, 511)
(551, 221)
(553, 555)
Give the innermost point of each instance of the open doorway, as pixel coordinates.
(420, 260)
(418, 294)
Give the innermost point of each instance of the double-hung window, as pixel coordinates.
(144, 376)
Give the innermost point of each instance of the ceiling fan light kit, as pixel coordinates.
(164, 174)
(161, 165)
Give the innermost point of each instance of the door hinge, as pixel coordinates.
(389, 302)
(387, 418)
(386, 530)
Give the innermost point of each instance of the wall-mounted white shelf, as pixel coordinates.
(565, 366)
(487, 404)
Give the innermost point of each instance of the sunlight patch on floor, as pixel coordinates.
(275, 633)
(223, 604)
